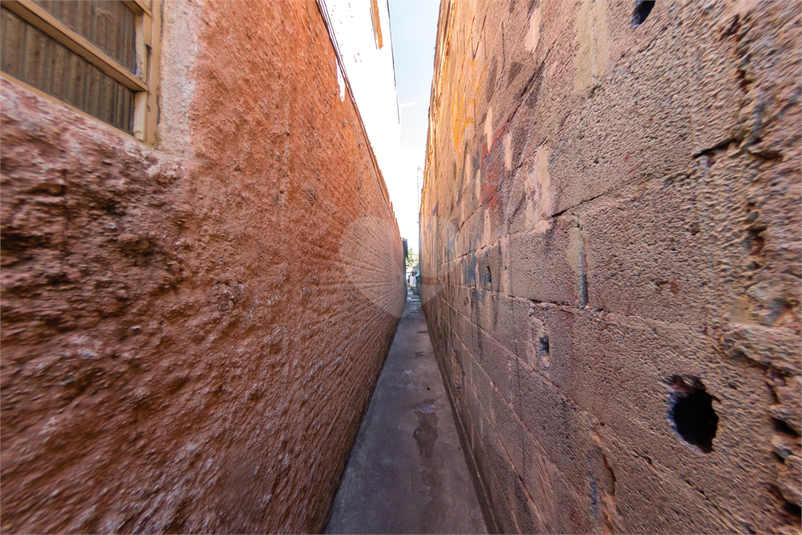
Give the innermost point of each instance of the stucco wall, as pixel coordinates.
(191, 332)
(610, 235)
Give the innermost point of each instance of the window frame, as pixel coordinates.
(144, 83)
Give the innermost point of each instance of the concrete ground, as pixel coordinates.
(407, 471)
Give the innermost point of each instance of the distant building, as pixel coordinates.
(362, 30)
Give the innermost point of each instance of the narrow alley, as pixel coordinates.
(407, 472)
(212, 213)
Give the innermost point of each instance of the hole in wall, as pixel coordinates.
(782, 427)
(543, 350)
(785, 441)
(790, 512)
(692, 415)
(543, 345)
(489, 276)
(642, 10)
(756, 241)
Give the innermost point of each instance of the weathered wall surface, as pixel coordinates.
(190, 333)
(610, 248)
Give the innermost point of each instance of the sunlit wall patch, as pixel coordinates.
(341, 82)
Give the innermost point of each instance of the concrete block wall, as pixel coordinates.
(192, 331)
(610, 235)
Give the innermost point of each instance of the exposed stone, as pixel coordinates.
(612, 196)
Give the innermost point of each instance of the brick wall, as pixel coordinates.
(190, 333)
(611, 260)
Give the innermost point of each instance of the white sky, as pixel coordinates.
(414, 28)
(400, 149)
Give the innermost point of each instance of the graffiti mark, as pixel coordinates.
(461, 104)
(493, 168)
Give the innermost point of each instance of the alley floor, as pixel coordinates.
(407, 472)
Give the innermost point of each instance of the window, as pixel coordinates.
(98, 56)
(377, 27)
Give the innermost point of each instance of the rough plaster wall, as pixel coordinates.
(184, 347)
(611, 215)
